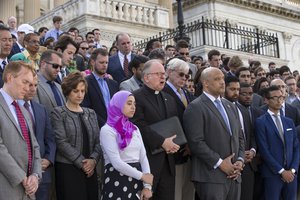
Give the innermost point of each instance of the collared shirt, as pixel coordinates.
(282, 109)
(122, 57)
(174, 89)
(9, 100)
(104, 88)
(22, 102)
(97, 44)
(53, 33)
(291, 98)
(20, 46)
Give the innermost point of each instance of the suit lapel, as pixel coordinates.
(46, 87)
(174, 95)
(273, 125)
(97, 88)
(213, 108)
(9, 114)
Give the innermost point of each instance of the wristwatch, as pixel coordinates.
(293, 171)
(149, 187)
(38, 177)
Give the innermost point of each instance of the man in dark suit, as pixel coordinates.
(296, 102)
(44, 135)
(252, 186)
(118, 63)
(152, 106)
(100, 87)
(286, 110)
(178, 74)
(6, 43)
(279, 148)
(215, 139)
(20, 168)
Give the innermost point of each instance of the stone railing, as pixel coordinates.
(288, 2)
(110, 9)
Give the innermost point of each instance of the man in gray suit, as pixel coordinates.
(20, 168)
(215, 139)
(49, 92)
(136, 66)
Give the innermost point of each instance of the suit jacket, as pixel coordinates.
(15, 49)
(45, 136)
(45, 95)
(257, 100)
(129, 85)
(209, 138)
(296, 103)
(115, 68)
(271, 147)
(13, 154)
(290, 112)
(94, 99)
(58, 79)
(147, 113)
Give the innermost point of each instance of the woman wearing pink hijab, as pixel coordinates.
(127, 171)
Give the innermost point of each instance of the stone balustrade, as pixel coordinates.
(119, 10)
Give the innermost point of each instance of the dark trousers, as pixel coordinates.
(247, 183)
(43, 191)
(276, 189)
(230, 190)
(164, 184)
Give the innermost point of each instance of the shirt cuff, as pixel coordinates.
(280, 171)
(218, 163)
(252, 149)
(240, 159)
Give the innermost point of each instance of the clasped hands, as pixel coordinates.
(169, 146)
(287, 176)
(148, 179)
(233, 170)
(88, 166)
(31, 184)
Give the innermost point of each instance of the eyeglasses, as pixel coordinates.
(55, 66)
(181, 53)
(34, 42)
(275, 98)
(181, 74)
(158, 73)
(84, 48)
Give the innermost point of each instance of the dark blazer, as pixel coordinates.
(58, 79)
(115, 68)
(209, 138)
(44, 135)
(272, 148)
(296, 103)
(257, 100)
(94, 99)
(15, 49)
(290, 112)
(147, 113)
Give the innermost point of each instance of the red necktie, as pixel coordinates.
(25, 133)
(125, 66)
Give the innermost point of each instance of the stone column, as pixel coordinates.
(31, 10)
(7, 9)
(168, 4)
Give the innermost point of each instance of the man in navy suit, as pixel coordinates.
(44, 135)
(100, 87)
(6, 43)
(118, 63)
(279, 148)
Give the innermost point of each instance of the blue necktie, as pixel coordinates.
(105, 91)
(220, 108)
(55, 93)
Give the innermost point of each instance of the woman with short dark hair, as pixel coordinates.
(77, 139)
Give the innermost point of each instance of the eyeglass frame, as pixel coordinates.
(54, 65)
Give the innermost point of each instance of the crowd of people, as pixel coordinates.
(77, 120)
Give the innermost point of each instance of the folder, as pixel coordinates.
(167, 128)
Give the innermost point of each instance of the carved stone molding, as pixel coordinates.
(287, 36)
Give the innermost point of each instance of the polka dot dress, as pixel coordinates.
(118, 186)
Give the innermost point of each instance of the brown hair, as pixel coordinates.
(57, 19)
(15, 67)
(71, 81)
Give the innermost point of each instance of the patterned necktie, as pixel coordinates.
(4, 63)
(25, 134)
(220, 108)
(55, 93)
(26, 106)
(125, 66)
(182, 97)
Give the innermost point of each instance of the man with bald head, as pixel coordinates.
(118, 63)
(154, 105)
(215, 139)
(286, 110)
